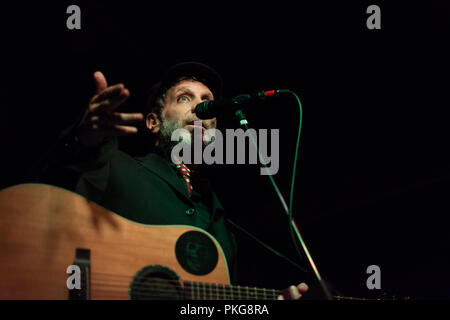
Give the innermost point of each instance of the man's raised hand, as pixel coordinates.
(101, 120)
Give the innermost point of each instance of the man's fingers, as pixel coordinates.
(109, 93)
(118, 130)
(295, 294)
(100, 82)
(109, 99)
(126, 118)
(291, 293)
(107, 120)
(302, 288)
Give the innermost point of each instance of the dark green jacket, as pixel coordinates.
(149, 190)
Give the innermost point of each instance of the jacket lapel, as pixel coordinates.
(156, 164)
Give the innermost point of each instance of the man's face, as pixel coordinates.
(179, 106)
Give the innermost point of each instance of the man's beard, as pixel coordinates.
(169, 126)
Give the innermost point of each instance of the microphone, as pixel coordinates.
(212, 108)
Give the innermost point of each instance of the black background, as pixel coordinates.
(373, 171)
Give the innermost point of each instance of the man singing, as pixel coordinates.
(152, 189)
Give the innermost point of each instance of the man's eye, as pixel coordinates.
(183, 99)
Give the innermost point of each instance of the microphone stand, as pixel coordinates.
(244, 124)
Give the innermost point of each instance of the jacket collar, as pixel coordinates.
(165, 170)
(160, 164)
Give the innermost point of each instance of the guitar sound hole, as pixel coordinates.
(155, 283)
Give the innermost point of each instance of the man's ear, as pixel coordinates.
(153, 123)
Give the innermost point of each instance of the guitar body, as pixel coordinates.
(41, 228)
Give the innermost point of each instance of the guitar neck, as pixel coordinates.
(213, 291)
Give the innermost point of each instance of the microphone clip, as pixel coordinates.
(259, 96)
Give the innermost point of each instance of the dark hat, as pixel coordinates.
(205, 74)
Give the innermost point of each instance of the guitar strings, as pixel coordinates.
(196, 288)
(206, 286)
(193, 288)
(107, 295)
(172, 294)
(186, 282)
(188, 291)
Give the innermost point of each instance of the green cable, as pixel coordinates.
(289, 210)
(291, 197)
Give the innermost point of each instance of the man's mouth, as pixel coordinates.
(202, 133)
(197, 123)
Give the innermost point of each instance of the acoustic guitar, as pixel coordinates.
(55, 244)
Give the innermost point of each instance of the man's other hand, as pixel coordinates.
(294, 292)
